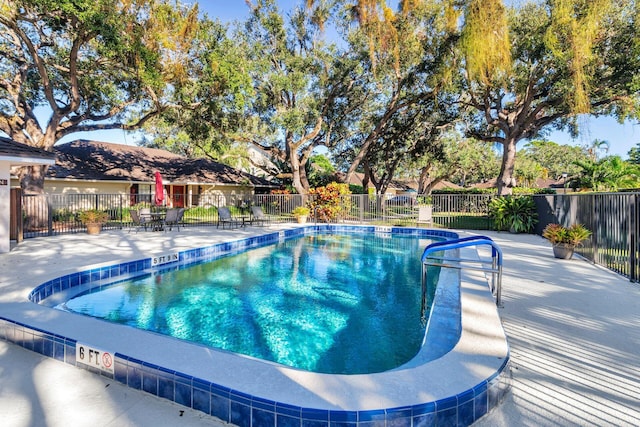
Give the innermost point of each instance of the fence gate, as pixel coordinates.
(15, 215)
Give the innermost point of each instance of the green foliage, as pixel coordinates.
(634, 154)
(465, 191)
(520, 191)
(424, 200)
(554, 159)
(551, 78)
(63, 215)
(516, 191)
(320, 171)
(357, 189)
(573, 235)
(326, 201)
(573, 31)
(73, 66)
(517, 214)
(487, 53)
(300, 211)
(608, 174)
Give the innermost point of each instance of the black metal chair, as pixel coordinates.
(173, 218)
(258, 216)
(138, 221)
(224, 217)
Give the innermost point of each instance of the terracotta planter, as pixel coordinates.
(563, 251)
(94, 228)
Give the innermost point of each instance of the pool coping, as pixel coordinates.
(464, 384)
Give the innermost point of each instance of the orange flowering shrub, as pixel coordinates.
(327, 201)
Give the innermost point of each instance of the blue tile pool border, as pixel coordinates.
(233, 406)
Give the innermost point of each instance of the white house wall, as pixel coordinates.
(206, 195)
(212, 195)
(5, 243)
(86, 187)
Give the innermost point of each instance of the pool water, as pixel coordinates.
(328, 303)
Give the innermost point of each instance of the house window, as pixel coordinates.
(141, 193)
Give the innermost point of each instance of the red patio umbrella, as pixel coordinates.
(159, 190)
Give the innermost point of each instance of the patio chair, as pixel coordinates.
(173, 218)
(138, 221)
(425, 215)
(258, 216)
(145, 214)
(224, 217)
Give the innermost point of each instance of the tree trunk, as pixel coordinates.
(32, 179)
(36, 212)
(506, 179)
(365, 183)
(294, 161)
(422, 181)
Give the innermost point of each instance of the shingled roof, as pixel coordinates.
(103, 161)
(10, 148)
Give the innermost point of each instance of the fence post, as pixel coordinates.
(633, 238)
(49, 214)
(16, 227)
(596, 219)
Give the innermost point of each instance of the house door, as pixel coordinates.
(133, 195)
(178, 196)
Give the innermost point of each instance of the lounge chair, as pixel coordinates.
(173, 218)
(224, 217)
(138, 221)
(258, 216)
(425, 215)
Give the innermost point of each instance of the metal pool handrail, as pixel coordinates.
(459, 263)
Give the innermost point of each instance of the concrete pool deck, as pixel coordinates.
(572, 327)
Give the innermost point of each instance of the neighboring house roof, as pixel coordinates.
(357, 178)
(492, 183)
(18, 153)
(102, 161)
(439, 186)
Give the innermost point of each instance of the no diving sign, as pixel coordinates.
(95, 358)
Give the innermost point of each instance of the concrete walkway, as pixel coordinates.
(574, 334)
(573, 328)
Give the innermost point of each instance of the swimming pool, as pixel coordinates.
(332, 303)
(458, 386)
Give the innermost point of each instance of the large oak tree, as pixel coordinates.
(70, 66)
(566, 58)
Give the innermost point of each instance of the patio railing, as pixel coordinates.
(614, 218)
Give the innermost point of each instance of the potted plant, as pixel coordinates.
(516, 214)
(93, 219)
(565, 239)
(301, 213)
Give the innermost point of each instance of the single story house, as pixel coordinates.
(13, 154)
(92, 167)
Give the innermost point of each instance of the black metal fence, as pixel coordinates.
(53, 214)
(613, 220)
(612, 217)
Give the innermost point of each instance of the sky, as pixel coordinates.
(621, 137)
